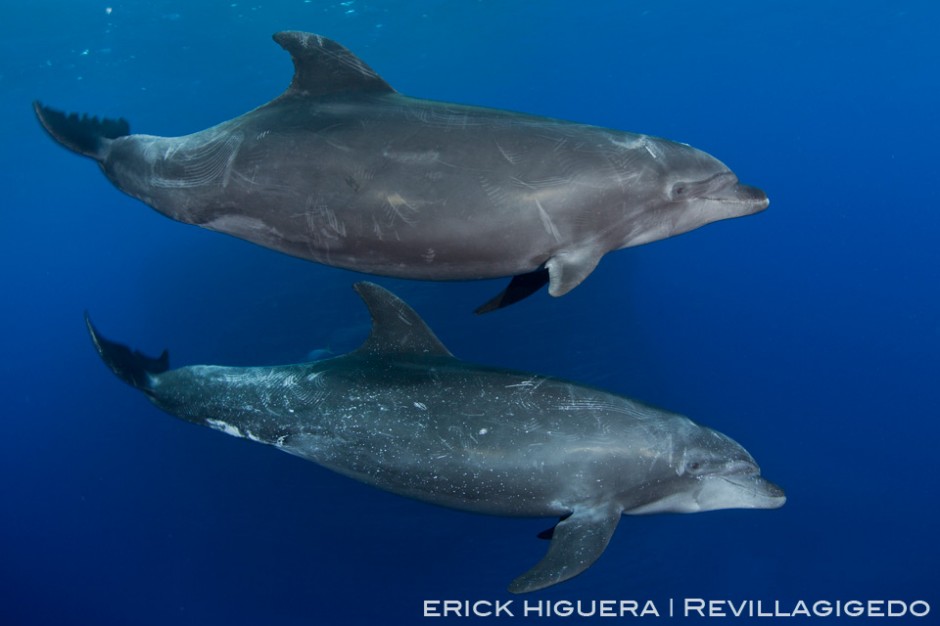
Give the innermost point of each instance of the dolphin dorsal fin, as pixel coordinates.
(322, 67)
(396, 328)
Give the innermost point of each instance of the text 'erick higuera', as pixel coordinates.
(684, 607)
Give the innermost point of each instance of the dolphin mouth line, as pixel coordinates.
(748, 484)
(743, 486)
(755, 486)
(732, 200)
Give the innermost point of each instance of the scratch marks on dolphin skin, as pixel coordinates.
(316, 378)
(404, 317)
(398, 207)
(342, 56)
(653, 150)
(622, 168)
(323, 224)
(337, 145)
(413, 157)
(201, 163)
(328, 135)
(641, 142)
(524, 393)
(547, 222)
(230, 161)
(596, 406)
(629, 142)
(542, 183)
(334, 222)
(498, 194)
(377, 228)
(509, 156)
(452, 117)
(529, 384)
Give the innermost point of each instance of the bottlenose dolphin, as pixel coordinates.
(343, 170)
(403, 414)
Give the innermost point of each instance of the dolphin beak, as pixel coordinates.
(735, 200)
(753, 197)
(774, 494)
(761, 493)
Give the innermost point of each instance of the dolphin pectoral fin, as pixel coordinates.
(548, 533)
(566, 270)
(519, 288)
(577, 542)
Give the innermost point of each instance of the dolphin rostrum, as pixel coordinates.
(403, 414)
(343, 170)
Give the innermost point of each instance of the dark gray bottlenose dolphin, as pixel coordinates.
(402, 414)
(343, 170)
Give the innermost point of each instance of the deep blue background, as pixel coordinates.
(810, 332)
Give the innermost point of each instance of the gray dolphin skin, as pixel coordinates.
(343, 170)
(403, 414)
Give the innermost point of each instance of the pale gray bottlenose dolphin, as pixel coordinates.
(402, 414)
(343, 170)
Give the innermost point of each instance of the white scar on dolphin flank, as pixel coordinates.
(403, 414)
(493, 193)
(228, 429)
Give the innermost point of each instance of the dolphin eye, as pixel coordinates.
(679, 191)
(695, 466)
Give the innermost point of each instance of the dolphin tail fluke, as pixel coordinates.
(131, 366)
(82, 134)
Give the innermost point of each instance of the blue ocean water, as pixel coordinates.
(810, 333)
